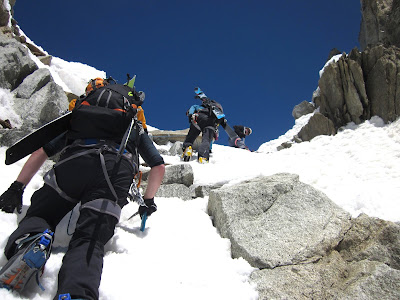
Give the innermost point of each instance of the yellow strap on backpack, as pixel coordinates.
(141, 117)
(71, 105)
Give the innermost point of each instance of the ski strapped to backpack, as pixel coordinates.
(213, 106)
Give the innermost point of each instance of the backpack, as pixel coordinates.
(212, 107)
(103, 120)
(95, 84)
(105, 113)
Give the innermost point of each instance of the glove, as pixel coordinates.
(12, 198)
(148, 207)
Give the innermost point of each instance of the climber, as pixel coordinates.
(203, 120)
(242, 133)
(96, 168)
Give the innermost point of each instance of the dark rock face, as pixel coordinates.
(342, 92)
(380, 23)
(362, 84)
(317, 125)
(381, 67)
(302, 109)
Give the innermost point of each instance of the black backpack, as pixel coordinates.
(213, 108)
(105, 113)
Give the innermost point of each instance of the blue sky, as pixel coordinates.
(257, 58)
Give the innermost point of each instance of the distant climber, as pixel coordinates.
(242, 133)
(205, 119)
(202, 120)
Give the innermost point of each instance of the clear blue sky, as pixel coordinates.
(257, 58)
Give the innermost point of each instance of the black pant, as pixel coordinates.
(81, 178)
(207, 128)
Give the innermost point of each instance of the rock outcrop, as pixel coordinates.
(303, 245)
(317, 125)
(342, 96)
(361, 85)
(177, 182)
(380, 23)
(15, 63)
(364, 84)
(302, 109)
(277, 221)
(37, 98)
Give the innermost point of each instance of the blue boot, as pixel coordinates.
(67, 297)
(32, 254)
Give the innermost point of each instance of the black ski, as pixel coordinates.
(234, 137)
(230, 132)
(37, 139)
(207, 102)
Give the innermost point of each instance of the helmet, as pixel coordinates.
(95, 84)
(247, 131)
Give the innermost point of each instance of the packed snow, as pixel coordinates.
(180, 255)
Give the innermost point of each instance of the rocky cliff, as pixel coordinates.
(356, 86)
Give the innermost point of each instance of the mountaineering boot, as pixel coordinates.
(203, 160)
(33, 252)
(187, 154)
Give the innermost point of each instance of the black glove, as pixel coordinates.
(12, 198)
(149, 207)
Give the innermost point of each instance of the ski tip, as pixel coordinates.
(9, 158)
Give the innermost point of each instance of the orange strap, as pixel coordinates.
(140, 178)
